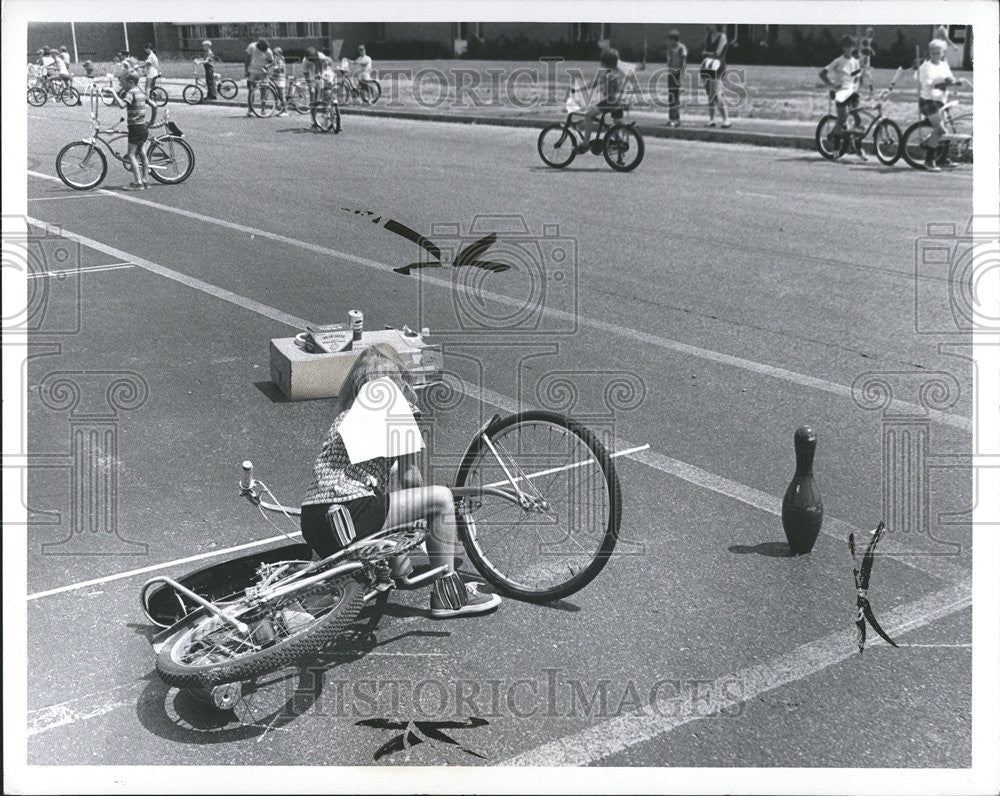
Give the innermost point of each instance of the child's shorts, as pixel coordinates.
(137, 133)
(929, 107)
(367, 513)
(850, 103)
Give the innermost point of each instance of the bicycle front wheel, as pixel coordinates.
(171, 159)
(557, 146)
(264, 101)
(327, 117)
(81, 165)
(70, 96)
(549, 553)
(912, 146)
(623, 147)
(206, 651)
(227, 88)
(887, 138)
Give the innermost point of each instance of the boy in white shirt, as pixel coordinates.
(841, 75)
(363, 64)
(934, 77)
(152, 66)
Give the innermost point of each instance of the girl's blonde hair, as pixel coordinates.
(377, 362)
(938, 44)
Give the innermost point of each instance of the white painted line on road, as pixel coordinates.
(74, 271)
(949, 646)
(687, 472)
(177, 276)
(153, 567)
(760, 368)
(607, 738)
(64, 198)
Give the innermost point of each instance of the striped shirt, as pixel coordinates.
(336, 480)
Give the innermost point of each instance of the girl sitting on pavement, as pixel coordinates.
(363, 489)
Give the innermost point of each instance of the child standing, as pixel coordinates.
(278, 75)
(935, 77)
(135, 102)
(841, 75)
(676, 64)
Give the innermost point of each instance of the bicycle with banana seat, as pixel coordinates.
(82, 164)
(886, 135)
(956, 142)
(620, 143)
(41, 86)
(538, 508)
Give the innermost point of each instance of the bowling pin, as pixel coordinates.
(802, 508)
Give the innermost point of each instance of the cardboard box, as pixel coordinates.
(302, 376)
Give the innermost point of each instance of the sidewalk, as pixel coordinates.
(752, 131)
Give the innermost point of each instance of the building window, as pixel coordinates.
(605, 30)
(380, 31)
(310, 30)
(590, 31)
(468, 30)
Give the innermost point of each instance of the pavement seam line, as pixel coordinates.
(612, 736)
(682, 470)
(782, 374)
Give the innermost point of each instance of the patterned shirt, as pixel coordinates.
(676, 56)
(135, 106)
(336, 480)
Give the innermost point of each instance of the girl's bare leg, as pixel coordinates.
(437, 505)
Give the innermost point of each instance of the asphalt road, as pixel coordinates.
(740, 292)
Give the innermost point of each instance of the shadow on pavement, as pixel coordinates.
(769, 549)
(271, 391)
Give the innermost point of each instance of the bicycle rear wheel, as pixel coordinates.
(158, 96)
(227, 88)
(171, 159)
(623, 147)
(81, 165)
(829, 145)
(298, 98)
(37, 97)
(540, 555)
(886, 138)
(206, 651)
(369, 91)
(264, 101)
(193, 94)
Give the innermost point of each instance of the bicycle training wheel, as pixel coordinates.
(369, 91)
(193, 94)
(553, 552)
(206, 651)
(227, 88)
(831, 147)
(158, 96)
(327, 117)
(171, 159)
(886, 138)
(37, 97)
(263, 101)
(623, 147)
(556, 146)
(81, 165)
(70, 96)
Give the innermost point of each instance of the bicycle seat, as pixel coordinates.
(617, 114)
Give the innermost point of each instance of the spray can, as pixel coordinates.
(357, 321)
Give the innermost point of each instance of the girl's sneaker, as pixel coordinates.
(451, 597)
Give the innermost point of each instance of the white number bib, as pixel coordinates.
(711, 64)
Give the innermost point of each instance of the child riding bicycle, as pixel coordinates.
(609, 84)
(363, 489)
(841, 75)
(934, 78)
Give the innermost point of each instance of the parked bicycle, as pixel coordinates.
(108, 87)
(538, 508)
(326, 110)
(956, 143)
(886, 135)
(82, 165)
(194, 93)
(620, 143)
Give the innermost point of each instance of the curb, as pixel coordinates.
(648, 130)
